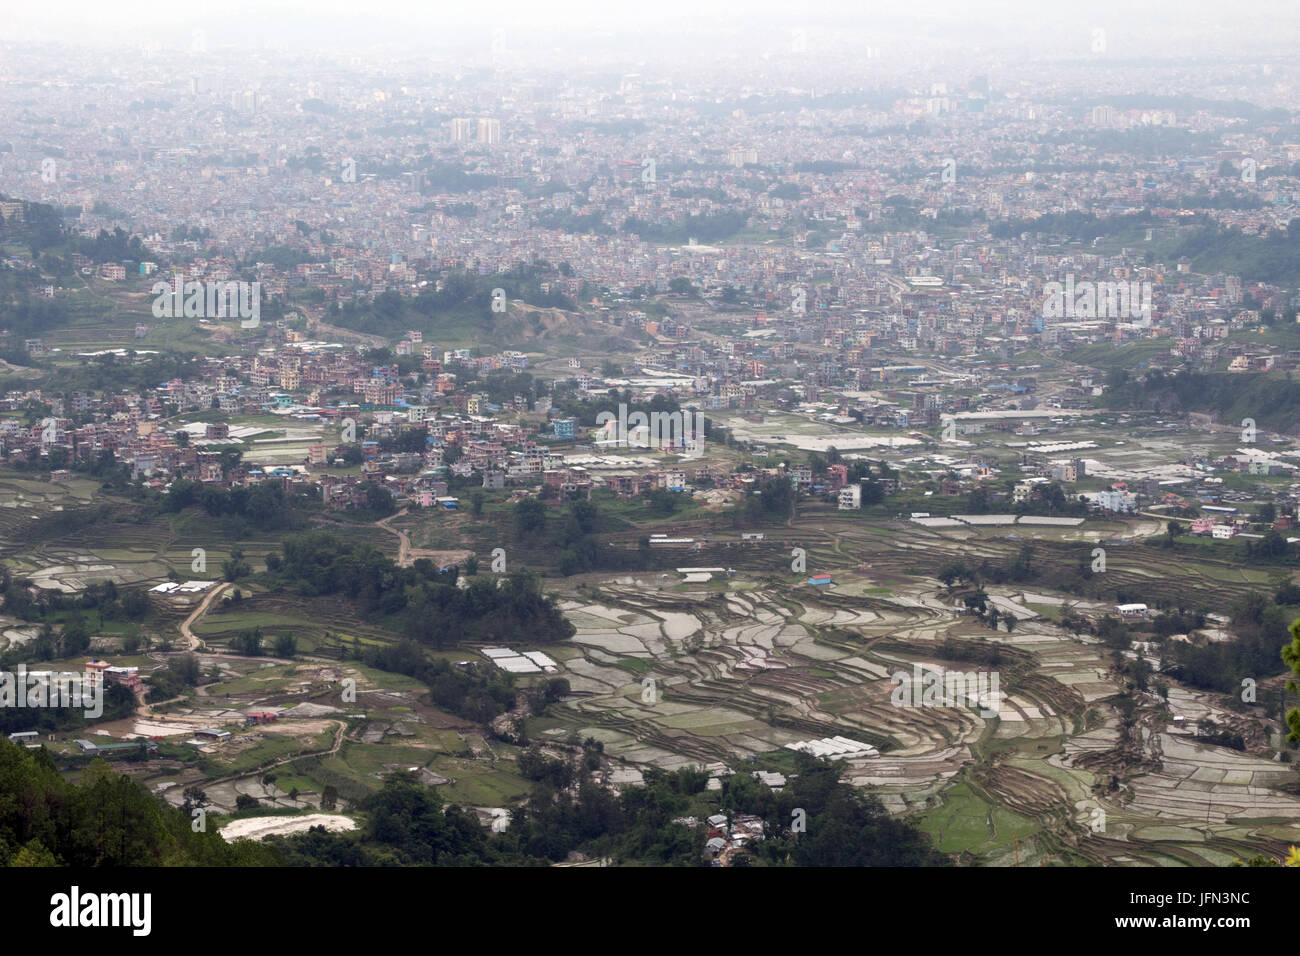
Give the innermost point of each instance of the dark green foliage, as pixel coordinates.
(1269, 400)
(704, 227)
(476, 691)
(1260, 634)
(105, 820)
(248, 643)
(407, 825)
(118, 702)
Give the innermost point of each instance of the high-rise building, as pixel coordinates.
(462, 130)
(246, 101)
(742, 156)
(489, 131)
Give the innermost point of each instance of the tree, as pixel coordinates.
(663, 502)
(248, 643)
(135, 604)
(329, 797)
(1291, 657)
(530, 516)
(1071, 621)
(1022, 569)
(186, 668)
(286, 645)
(75, 638)
(976, 602)
(1273, 545)
(952, 572)
(1173, 530)
(379, 499)
(235, 567)
(476, 503)
(194, 799)
(34, 854)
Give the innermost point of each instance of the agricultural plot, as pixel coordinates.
(668, 673)
(699, 674)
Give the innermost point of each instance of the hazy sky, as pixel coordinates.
(1135, 28)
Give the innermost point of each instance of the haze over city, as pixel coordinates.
(675, 434)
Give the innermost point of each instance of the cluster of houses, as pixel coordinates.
(101, 673)
(726, 837)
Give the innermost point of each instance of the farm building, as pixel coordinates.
(180, 593)
(1131, 612)
(95, 670)
(663, 541)
(126, 676)
(129, 746)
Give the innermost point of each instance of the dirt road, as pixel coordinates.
(406, 555)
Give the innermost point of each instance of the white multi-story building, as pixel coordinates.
(1117, 501)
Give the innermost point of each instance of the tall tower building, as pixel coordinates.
(462, 130)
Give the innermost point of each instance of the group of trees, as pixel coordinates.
(252, 644)
(118, 702)
(461, 295)
(264, 506)
(105, 598)
(432, 609)
(407, 824)
(1020, 569)
(573, 537)
(105, 819)
(1260, 632)
(703, 227)
(497, 609)
(475, 690)
(772, 501)
(170, 682)
(1269, 400)
(317, 562)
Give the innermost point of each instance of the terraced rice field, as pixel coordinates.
(702, 674)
